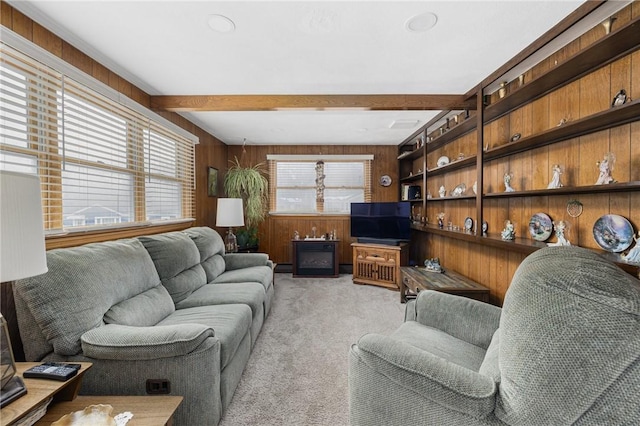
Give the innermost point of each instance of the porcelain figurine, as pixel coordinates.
(509, 232)
(606, 166)
(634, 254)
(507, 183)
(560, 228)
(442, 191)
(555, 180)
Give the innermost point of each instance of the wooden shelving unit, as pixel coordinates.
(494, 156)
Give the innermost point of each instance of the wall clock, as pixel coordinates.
(385, 180)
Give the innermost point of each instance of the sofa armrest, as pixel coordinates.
(421, 373)
(121, 342)
(245, 260)
(467, 319)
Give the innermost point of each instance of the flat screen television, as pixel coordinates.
(381, 223)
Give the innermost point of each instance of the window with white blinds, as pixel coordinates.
(101, 163)
(326, 184)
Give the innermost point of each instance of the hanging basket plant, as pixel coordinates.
(250, 184)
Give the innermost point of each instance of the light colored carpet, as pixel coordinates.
(297, 373)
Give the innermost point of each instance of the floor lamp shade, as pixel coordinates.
(22, 247)
(230, 214)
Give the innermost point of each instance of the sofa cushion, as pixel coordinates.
(440, 344)
(211, 248)
(82, 284)
(256, 274)
(143, 310)
(230, 323)
(177, 260)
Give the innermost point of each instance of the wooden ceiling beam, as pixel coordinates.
(277, 102)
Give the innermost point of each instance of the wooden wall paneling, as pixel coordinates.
(620, 143)
(557, 211)
(634, 89)
(634, 163)
(22, 25)
(592, 150)
(6, 15)
(595, 92)
(594, 206)
(540, 115)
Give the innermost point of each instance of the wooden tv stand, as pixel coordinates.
(379, 264)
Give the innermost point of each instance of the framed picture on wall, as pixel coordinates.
(212, 182)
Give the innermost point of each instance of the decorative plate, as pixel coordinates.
(613, 233)
(385, 180)
(468, 224)
(485, 226)
(442, 161)
(515, 137)
(459, 190)
(540, 227)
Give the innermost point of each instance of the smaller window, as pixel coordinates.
(310, 184)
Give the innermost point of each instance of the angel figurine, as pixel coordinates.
(442, 191)
(560, 228)
(507, 183)
(606, 166)
(509, 232)
(555, 180)
(634, 254)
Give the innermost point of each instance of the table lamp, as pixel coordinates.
(22, 255)
(230, 213)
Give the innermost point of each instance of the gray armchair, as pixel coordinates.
(564, 349)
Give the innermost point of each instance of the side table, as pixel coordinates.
(39, 391)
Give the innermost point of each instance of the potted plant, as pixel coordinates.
(250, 184)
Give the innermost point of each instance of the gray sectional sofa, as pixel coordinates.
(169, 306)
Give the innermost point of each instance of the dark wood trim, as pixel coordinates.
(568, 190)
(272, 102)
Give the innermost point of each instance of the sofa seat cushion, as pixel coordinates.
(230, 323)
(177, 261)
(440, 344)
(251, 294)
(256, 274)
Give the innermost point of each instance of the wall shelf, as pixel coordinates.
(457, 131)
(590, 189)
(413, 178)
(454, 165)
(612, 117)
(617, 44)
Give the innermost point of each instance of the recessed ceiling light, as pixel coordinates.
(221, 24)
(421, 23)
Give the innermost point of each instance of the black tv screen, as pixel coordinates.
(388, 222)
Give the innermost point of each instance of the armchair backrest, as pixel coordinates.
(570, 341)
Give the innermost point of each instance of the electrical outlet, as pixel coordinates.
(158, 386)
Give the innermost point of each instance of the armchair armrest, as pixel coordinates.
(467, 319)
(121, 342)
(245, 260)
(442, 383)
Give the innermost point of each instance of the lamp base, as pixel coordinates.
(230, 242)
(13, 390)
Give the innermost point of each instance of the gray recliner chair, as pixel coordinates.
(564, 349)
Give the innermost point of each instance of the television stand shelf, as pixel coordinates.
(379, 264)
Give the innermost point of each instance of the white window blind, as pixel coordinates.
(318, 185)
(101, 163)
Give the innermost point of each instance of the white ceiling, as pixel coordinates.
(301, 47)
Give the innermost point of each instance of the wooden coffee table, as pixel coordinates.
(417, 279)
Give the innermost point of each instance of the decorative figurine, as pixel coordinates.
(503, 90)
(555, 181)
(559, 228)
(620, 98)
(509, 232)
(296, 235)
(440, 220)
(634, 254)
(433, 265)
(606, 166)
(507, 182)
(442, 191)
(475, 187)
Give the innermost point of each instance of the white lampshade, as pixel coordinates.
(22, 248)
(229, 212)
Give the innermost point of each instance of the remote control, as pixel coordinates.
(52, 370)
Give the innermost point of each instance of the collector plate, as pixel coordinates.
(459, 190)
(613, 233)
(540, 226)
(468, 224)
(443, 161)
